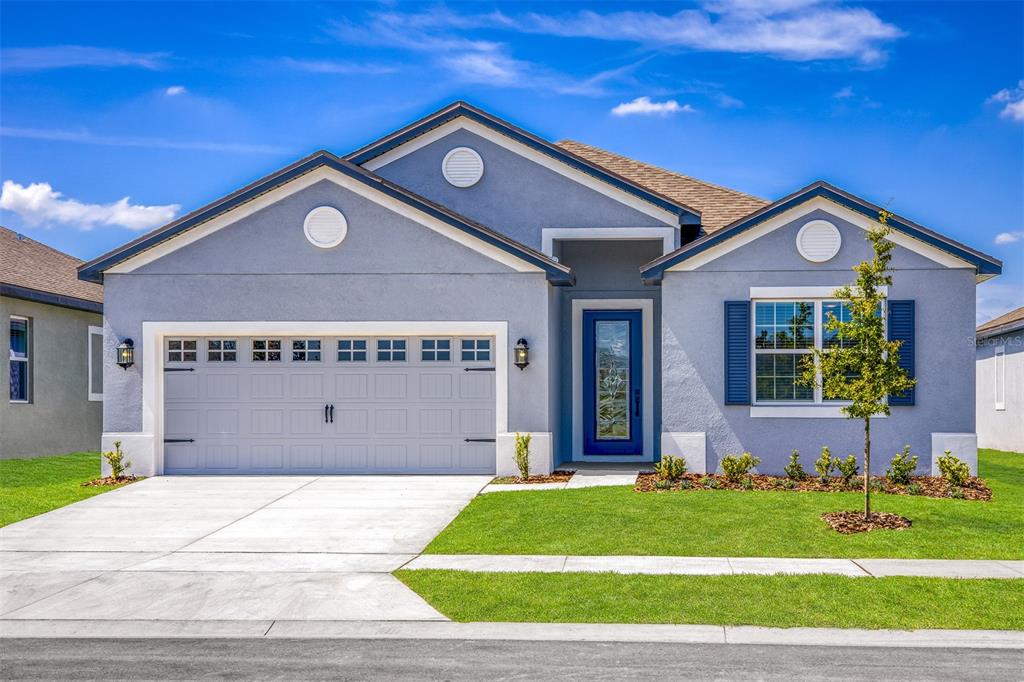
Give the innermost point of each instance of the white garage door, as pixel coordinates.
(275, 405)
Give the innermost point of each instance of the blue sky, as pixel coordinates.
(118, 117)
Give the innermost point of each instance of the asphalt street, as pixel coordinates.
(265, 659)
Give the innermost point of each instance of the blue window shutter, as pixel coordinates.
(737, 352)
(901, 328)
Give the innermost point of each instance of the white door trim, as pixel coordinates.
(646, 307)
(153, 334)
(667, 235)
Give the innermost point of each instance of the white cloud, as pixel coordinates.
(728, 101)
(993, 298)
(1009, 238)
(843, 93)
(175, 90)
(39, 204)
(643, 106)
(332, 66)
(69, 56)
(1012, 100)
(86, 137)
(487, 67)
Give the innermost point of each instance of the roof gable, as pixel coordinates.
(321, 165)
(365, 156)
(706, 247)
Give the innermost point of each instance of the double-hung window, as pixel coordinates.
(20, 359)
(783, 339)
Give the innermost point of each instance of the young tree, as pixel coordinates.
(862, 364)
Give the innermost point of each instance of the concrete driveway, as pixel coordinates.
(231, 548)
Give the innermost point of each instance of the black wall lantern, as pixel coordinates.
(522, 354)
(126, 354)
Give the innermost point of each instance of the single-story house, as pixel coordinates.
(52, 332)
(410, 306)
(1000, 377)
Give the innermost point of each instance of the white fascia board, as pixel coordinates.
(303, 182)
(667, 235)
(899, 238)
(589, 181)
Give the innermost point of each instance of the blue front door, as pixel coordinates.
(612, 388)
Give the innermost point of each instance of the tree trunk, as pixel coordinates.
(867, 469)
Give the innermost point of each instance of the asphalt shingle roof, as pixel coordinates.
(718, 206)
(1005, 320)
(27, 263)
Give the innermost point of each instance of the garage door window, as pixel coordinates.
(436, 350)
(266, 350)
(221, 350)
(181, 350)
(351, 350)
(476, 350)
(306, 350)
(390, 350)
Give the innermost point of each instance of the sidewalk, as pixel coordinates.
(667, 565)
(544, 632)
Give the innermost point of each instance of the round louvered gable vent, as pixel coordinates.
(818, 241)
(462, 167)
(325, 227)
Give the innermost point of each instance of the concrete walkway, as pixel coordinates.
(588, 475)
(230, 548)
(541, 632)
(667, 565)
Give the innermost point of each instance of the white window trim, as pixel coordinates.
(282, 350)
(207, 350)
(165, 345)
(457, 347)
(999, 376)
(94, 397)
(27, 359)
(377, 350)
(367, 350)
(667, 236)
(451, 350)
(819, 407)
(646, 307)
(306, 351)
(154, 333)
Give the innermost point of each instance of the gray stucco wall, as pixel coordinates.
(604, 269)
(1001, 429)
(693, 350)
(388, 268)
(60, 418)
(515, 195)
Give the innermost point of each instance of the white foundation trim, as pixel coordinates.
(667, 235)
(692, 446)
(303, 182)
(646, 306)
(153, 334)
(565, 170)
(801, 292)
(795, 213)
(961, 445)
(541, 461)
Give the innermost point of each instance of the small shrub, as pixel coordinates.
(709, 482)
(956, 492)
(662, 485)
(779, 482)
(954, 470)
(685, 484)
(825, 464)
(789, 484)
(914, 489)
(118, 464)
(748, 483)
(670, 468)
(735, 468)
(794, 470)
(901, 467)
(847, 469)
(523, 454)
(876, 486)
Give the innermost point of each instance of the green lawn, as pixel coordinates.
(608, 521)
(29, 487)
(773, 601)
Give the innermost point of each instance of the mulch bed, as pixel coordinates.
(557, 476)
(931, 486)
(850, 522)
(110, 480)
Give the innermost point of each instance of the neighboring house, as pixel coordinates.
(1000, 375)
(53, 336)
(361, 314)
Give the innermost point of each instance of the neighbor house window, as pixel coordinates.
(436, 350)
(266, 350)
(221, 350)
(306, 350)
(181, 350)
(1000, 377)
(351, 350)
(20, 359)
(476, 350)
(391, 350)
(95, 377)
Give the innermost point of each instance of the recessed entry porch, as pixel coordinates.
(608, 351)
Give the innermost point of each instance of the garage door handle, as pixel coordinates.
(332, 414)
(477, 369)
(480, 440)
(179, 440)
(326, 412)
(179, 369)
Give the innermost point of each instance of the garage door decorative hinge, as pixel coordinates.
(179, 440)
(477, 369)
(179, 369)
(480, 440)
